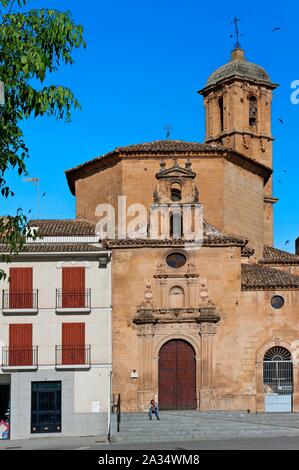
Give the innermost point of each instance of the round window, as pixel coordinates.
(277, 301)
(176, 260)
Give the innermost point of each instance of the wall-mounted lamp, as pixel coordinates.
(2, 98)
(104, 259)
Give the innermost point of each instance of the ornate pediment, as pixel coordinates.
(200, 310)
(175, 171)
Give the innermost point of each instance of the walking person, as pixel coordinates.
(153, 409)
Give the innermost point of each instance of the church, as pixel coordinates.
(213, 326)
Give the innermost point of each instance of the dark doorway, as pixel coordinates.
(46, 407)
(177, 376)
(4, 401)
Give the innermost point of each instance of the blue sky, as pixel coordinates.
(144, 62)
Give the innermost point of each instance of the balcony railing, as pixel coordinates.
(14, 300)
(73, 299)
(19, 356)
(72, 355)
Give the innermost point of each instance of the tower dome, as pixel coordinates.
(239, 67)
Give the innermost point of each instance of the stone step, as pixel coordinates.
(193, 425)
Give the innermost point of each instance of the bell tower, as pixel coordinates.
(237, 99)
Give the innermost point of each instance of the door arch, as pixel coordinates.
(278, 380)
(177, 376)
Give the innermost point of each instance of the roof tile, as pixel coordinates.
(55, 248)
(62, 227)
(255, 277)
(273, 255)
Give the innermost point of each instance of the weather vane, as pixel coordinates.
(168, 130)
(237, 33)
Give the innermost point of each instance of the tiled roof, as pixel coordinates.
(156, 146)
(273, 255)
(165, 148)
(212, 236)
(255, 277)
(55, 248)
(170, 146)
(63, 227)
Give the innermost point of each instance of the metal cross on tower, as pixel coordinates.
(236, 22)
(168, 130)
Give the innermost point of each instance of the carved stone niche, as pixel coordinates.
(176, 184)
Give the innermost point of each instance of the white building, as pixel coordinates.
(55, 333)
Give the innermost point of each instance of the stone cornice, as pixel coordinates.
(202, 314)
(236, 78)
(237, 131)
(209, 241)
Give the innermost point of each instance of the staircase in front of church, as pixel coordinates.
(176, 426)
(173, 425)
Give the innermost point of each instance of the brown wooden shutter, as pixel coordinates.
(20, 345)
(73, 343)
(73, 287)
(20, 288)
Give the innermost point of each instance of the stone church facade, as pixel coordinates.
(210, 327)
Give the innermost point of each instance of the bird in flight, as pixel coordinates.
(287, 242)
(280, 120)
(276, 29)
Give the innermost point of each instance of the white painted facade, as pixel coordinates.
(86, 394)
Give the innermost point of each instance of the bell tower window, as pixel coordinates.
(176, 225)
(221, 113)
(252, 111)
(175, 192)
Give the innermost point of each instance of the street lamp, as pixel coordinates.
(2, 98)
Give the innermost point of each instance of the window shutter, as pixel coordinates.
(73, 343)
(20, 288)
(20, 345)
(73, 287)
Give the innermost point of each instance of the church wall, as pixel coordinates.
(102, 187)
(235, 363)
(244, 206)
(139, 183)
(268, 224)
(131, 268)
(232, 197)
(243, 335)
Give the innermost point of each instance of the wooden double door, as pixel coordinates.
(177, 376)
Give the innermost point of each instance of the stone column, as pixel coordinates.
(145, 335)
(207, 331)
(260, 396)
(295, 385)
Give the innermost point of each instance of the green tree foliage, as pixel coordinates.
(33, 44)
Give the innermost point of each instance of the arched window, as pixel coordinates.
(176, 224)
(176, 297)
(252, 111)
(278, 379)
(277, 353)
(176, 192)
